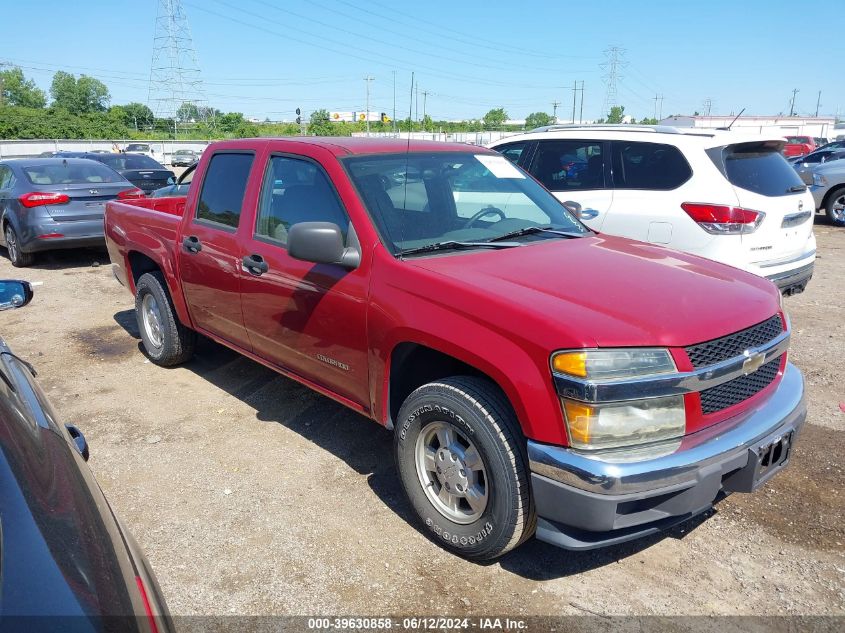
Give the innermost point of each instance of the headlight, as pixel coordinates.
(596, 426)
(608, 364)
(819, 180)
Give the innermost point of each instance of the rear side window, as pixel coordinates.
(223, 188)
(6, 178)
(569, 165)
(761, 169)
(512, 151)
(63, 172)
(653, 166)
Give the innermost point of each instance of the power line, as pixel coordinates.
(613, 66)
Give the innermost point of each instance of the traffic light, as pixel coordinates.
(385, 118)
(298, 118)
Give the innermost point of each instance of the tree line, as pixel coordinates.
(79, 108)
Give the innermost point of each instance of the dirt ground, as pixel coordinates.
(250, 494)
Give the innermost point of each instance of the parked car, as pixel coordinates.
(819, 141)
(804, 165)
(142, 171)
(179, 188)
(828, 190)
(140, 148)
(526, 364)
(64, 552)
(833, 145)
(720, 195)
(55, 203)
(798, 145)
(183, 157)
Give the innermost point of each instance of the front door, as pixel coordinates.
(577, 171)
(209, 254)
(309, 319)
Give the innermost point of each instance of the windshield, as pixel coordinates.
(418, 199)
(126, 161)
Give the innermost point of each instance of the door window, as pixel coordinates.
(296, 190)
(223, 188)
(653, 166)
(569, 165)
(5, 177)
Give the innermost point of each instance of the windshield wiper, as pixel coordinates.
(796, 189)
(529, 230)
(454, 245)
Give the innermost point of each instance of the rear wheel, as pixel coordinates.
(18, 258)
(166, 341)
(461, 459)
(835, 207)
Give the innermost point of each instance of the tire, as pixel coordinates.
(835, 207)
(478, 416)
(166, 341)
(18, 258)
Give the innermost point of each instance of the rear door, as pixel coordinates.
(764, 181)
(308, 319)
(209, 253)
(577, 171)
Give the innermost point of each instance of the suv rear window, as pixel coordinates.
(61, 172)
(653, 166)
(758, 167)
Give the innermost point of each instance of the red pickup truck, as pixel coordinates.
(539, 377)
(798, 146)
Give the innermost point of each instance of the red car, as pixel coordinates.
(798, 146)
(539, 377)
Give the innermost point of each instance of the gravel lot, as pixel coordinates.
(250, 494)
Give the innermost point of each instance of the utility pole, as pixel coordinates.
(425, 96)
(394, 102)
(368, 79)
(818, 100)
(2, 101)
(417, 100)
(581, 115)
(574, 95)
(795, 91)
(555, 104)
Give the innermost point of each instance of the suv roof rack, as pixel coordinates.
(629, 127)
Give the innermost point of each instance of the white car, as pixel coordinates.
(723, 195)
(141, 148)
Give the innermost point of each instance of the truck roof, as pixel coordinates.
(358, 145)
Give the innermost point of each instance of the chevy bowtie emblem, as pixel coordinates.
(753, 363)
(93, 192)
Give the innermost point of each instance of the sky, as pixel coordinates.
(265, 58)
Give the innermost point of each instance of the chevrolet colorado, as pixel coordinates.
(540, 378)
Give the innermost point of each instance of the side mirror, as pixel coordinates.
(14, 294)
(321, 243)
(573, 207)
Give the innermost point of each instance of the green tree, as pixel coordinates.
(537, 119)
(78, 96)
(321, 125)
(495, 118)
(188, 112)
(137, 116)
(19, 91)
(616, 114)
(230, 121)
(647, 121)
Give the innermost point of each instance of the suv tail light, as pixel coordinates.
(42, 198)
(131, 194)
(721, 219)
(151, 619)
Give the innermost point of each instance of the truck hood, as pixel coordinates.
(610, 291)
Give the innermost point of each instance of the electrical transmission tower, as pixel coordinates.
(176, 90)
(613, 75)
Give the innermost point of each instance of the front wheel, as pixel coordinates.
(835, 207)
(166, 341)
(461, 458)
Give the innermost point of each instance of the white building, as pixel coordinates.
(820, 127)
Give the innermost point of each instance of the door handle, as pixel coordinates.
(192, 244)
(78, 440)
(255, 264)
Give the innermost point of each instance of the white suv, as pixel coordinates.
(722, 195)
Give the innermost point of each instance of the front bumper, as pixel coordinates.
(585, 501)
